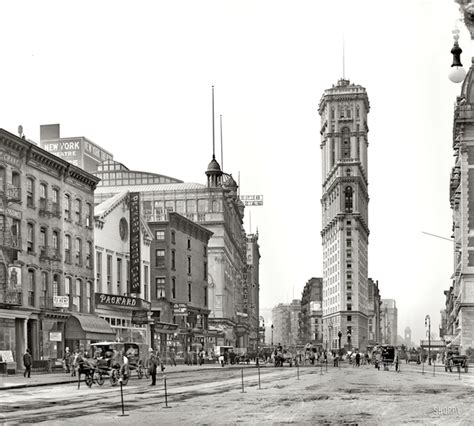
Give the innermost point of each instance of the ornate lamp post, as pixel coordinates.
(428, 323)
(271, 327)
(339, 335)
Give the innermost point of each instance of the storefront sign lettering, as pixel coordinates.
(123, 301)
(10, 159)
(135, 258)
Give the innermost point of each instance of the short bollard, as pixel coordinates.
(297, 371)
(326, 361)
(166, 392)
(121, 398)
(78, 380)
(242, 373)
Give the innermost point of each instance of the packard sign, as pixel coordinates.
(133, 303)
(135, 262)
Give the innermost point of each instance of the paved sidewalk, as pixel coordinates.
(17, 381)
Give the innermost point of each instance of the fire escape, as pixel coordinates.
(10, 244)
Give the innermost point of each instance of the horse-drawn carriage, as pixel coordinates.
(454, 360)
(116, 360)
(383, 355)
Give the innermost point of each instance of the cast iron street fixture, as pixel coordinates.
(339, 335)
(428, 322)
(271, 327)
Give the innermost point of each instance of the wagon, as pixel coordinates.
(455, 360)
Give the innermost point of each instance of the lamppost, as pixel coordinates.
(428, 322)
(330, 336)
(339, 335)
(271, 327)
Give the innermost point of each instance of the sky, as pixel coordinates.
(135, 77)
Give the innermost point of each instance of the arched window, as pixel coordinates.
(67, 206)
(55, 286)
(348, 192)
(44, 287)
(67, 249)
(78, 250)
(31, 287)
(346, 143)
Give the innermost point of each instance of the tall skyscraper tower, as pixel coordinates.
(345, 223)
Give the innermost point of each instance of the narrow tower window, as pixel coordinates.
(346, 143)
(348, 199)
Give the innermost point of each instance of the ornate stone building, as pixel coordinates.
(46, 253)
(345, 224)
(374, 302)
(460, 296)
(215, 206)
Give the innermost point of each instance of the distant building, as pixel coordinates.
(251, 289)
(311, 329)
(389, 321)
(374, 302)
(345, 223)
(285, 320)
(79, 151)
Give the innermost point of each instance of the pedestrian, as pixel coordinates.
(172, 357)
(357, 359)
(396, 362)
(67, 361)
(27, 361)
(152, 364)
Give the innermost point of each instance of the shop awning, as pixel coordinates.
(88, 327)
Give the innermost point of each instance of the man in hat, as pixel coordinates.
(153, 362)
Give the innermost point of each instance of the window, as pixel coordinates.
(90, 215)
(55, 241)
(349, 266)
(349, 307)
(67, 206)
(189, 291)
(77, 295)
(348, 192)
(44, 286)
(349, 276)
(67, 286)
(78, 252)
(205, 296)
(78, 210)
(159, 235)
(348, 232)
(42, 241)
(30, 238)
(160, 288)
(346, 143)
(349, 254)
(205, 251)
(333, 151)
(189, 265)
(67, 248)
(42, 191)
(173, 237)
(145, 287)
(89, 255)
(98, 268)
(189, 243)
(173, 259)
(348, 222)
(55, 195)
(55, 286)
(30, 192)
(349, 243)
(205, 271)
(109, 269)
(88, 297)
(31, 287)
(173, 288)
(349, 297)
(119, 270)
(160, 258)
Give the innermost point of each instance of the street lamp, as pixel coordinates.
(428, 322)
(271, 327)
(339, 335)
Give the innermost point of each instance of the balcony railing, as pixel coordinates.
(8, 240)
(48, 207)
(12, 298)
